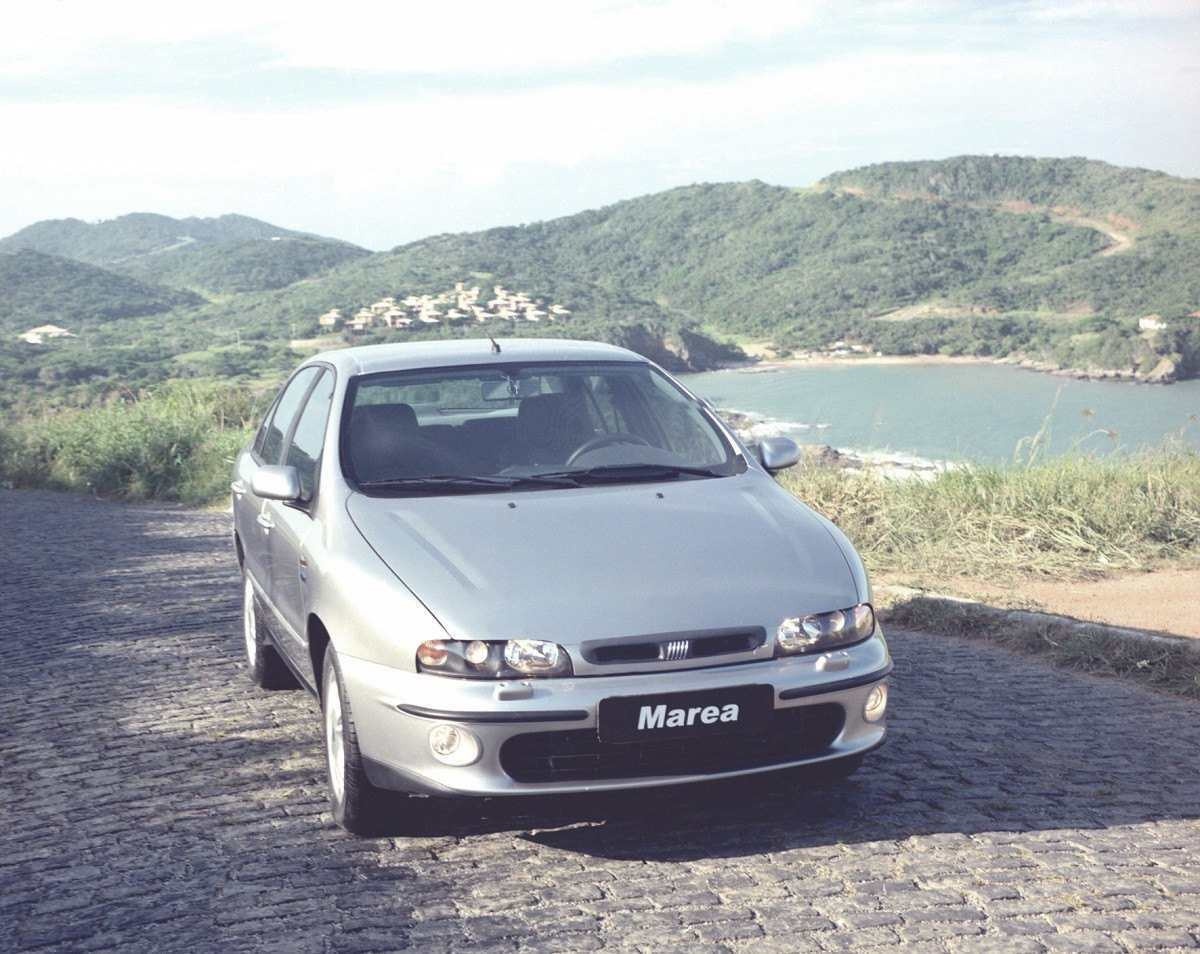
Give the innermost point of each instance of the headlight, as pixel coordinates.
(493, 658)
(821, 631)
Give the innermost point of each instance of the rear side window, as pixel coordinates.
(286, 409)
(304, 450)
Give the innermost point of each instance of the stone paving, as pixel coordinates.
(152, 800)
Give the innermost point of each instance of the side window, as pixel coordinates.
(286, 409)
(304, 451)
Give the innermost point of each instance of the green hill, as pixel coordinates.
(37, 289)
(1148, 201)
(214, 256)
(222, 268)
(1050, 259)
(141, 233)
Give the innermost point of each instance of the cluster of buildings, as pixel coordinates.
(460, 305)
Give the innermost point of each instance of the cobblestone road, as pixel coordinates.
(152, 800)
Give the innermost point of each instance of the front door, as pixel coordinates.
(252, 515)
(295, 529)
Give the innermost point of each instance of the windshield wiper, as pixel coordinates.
(467, 483)
(619, 472)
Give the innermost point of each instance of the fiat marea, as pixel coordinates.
(543, 566)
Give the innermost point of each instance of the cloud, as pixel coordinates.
(479, 38)
(417, 154)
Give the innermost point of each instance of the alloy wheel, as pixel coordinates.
(250, 624)
(335, 742)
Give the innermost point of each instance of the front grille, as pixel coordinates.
(579, 755)
(674, 647)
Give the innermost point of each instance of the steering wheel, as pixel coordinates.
(605, 440)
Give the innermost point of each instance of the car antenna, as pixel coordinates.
(495, 347)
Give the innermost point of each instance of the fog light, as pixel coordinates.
(453, 745)
(876, 704)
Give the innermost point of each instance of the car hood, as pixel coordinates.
(606, 561)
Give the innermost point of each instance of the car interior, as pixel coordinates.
(387, 441)
(520, 425)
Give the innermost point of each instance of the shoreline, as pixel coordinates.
(766, 364)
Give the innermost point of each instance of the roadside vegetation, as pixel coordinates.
(1063, 519)
(1067, 518)
(176, 443)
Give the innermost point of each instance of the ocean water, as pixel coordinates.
(954, 412)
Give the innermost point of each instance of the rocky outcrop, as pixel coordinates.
(1165, 372)
(680, 349)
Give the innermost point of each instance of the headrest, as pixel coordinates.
(398, 418)
(545, 420)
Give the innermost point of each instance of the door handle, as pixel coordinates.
(264, 520)
(238, 488)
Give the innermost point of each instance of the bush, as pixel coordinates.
(176, 444)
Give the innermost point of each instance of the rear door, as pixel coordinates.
(295, 529)
(251, 513)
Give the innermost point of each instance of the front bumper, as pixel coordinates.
(393, 711)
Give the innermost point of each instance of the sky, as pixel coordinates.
(381, 123)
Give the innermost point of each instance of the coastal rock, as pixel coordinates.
(1165, 372)
(681, 349)
(823, 455)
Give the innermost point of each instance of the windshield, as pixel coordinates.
(451, 430)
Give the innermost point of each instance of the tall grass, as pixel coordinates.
(174, 444)
(1066, 517)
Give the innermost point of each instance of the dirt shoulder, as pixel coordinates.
(1165, 600)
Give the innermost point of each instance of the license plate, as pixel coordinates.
(739, 709)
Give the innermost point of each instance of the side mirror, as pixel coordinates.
(274, 482)
(778, 453)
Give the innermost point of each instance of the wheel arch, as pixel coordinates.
(318, 642)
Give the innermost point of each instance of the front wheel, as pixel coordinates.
(357, 805)
(267, 670)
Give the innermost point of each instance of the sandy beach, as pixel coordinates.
(763, 359)
(824, 360)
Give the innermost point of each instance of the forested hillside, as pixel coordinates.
(36, 289)
(243, 266)
(140, 233)
(1054, 260)
(1148, 201)
(218, 256)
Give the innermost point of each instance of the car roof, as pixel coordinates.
(369, 359)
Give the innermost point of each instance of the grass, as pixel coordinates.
(176, 443)
(1167, 665)
(1067, 518)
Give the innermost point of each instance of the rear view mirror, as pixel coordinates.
(778, 453)
(504, 390)
(273, 482)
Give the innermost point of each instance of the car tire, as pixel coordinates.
(266, 668)
(357, 805)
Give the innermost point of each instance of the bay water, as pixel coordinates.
(957, 412)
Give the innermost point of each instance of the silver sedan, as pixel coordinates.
(543, 566)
